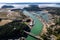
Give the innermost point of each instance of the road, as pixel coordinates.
(37, 28)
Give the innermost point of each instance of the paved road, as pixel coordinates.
(37, 28)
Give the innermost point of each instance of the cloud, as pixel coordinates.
(15, 1)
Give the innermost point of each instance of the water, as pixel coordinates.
(37, 28)
(44, 15)
(27, 5)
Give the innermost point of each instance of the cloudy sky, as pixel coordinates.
(15, 1)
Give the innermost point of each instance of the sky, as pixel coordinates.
(20, 1)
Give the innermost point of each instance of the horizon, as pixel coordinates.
(32, 2)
